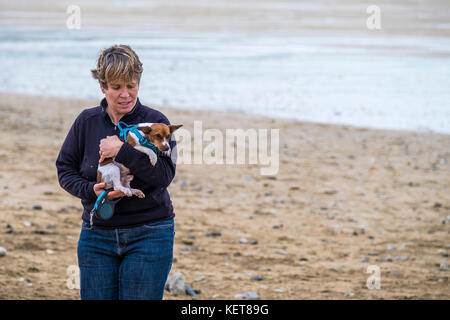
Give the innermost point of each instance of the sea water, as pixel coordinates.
(391, 82)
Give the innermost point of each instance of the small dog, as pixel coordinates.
(117, 176)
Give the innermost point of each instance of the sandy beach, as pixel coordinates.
(344, 199)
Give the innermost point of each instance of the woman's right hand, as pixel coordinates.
(100, 187)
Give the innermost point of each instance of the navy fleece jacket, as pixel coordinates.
(77, 164)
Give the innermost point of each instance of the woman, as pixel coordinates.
(130, 255)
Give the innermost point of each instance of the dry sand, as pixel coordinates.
(340, 194)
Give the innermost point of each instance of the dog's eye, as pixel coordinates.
(159, 136)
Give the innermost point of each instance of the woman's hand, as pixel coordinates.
(109, 147)
(100, 187)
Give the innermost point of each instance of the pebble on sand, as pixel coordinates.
(350, 294)
(364, 260)
(400, 258)
(200, 278)
(247, 295)
(189, 291)
(214, 233)
(176, 284)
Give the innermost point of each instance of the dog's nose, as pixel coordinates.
(166, 147)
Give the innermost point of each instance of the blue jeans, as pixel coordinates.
(130, 263)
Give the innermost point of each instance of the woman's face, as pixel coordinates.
(121, 97)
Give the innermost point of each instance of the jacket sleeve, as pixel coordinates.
(68, 164)
(158, 176)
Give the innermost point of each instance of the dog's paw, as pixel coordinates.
(153, 158)
(153, 161)
(139, 194)
(127, 191)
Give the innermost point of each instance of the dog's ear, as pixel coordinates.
(174, 127)
(145, 130)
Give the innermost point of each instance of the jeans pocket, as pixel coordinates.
(165, 224)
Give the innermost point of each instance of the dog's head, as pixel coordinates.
(159, 134)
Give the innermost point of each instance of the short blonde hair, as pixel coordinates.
(117, 63)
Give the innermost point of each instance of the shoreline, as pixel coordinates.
(88, 103)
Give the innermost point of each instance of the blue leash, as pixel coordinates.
(125, 128)
(103, 208)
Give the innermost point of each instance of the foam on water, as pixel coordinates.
(381, 82)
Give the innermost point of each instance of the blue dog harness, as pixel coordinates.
(125, 128)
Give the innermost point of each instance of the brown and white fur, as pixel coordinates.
(117, 176)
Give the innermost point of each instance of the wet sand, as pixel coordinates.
(326, 17)
(344, 198)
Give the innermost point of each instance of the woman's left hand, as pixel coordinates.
(100, 187)
(109, 147)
